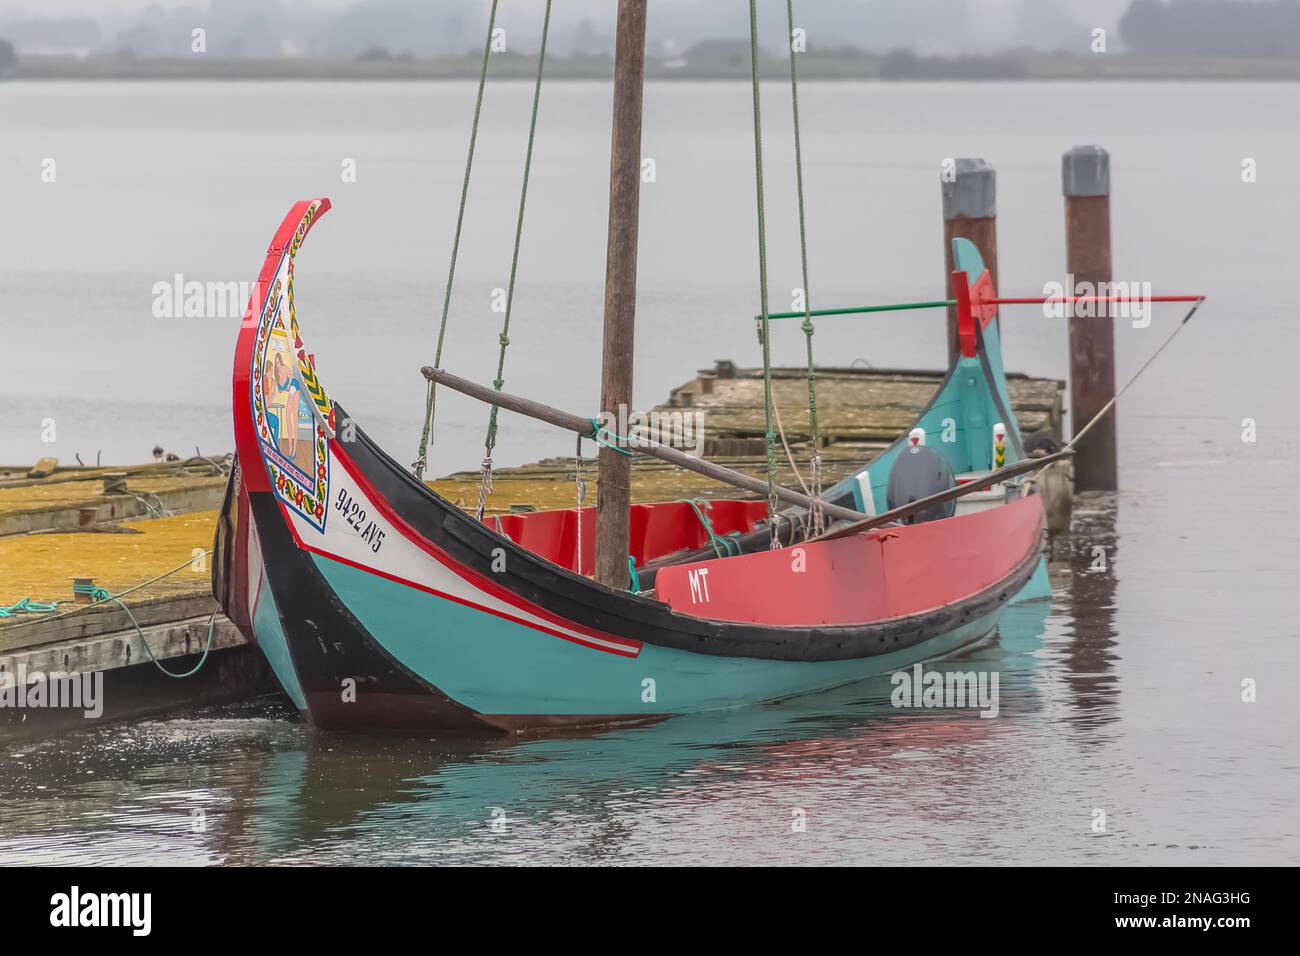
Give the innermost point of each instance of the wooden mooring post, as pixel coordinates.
(970, 210)
(1085, 181)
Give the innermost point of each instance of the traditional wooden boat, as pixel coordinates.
(380, 604)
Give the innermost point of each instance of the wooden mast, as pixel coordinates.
(614, 494)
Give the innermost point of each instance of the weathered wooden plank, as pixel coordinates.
(123, 648)
(103, 619)
(852, 404)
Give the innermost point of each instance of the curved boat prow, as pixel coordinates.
(236, 557)
(970, 410)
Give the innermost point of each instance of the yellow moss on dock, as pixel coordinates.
(42, 566)
(545, 489)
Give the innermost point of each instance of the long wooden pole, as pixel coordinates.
(584, 426)
(939, 497)
(614, 492)
(1085, 180)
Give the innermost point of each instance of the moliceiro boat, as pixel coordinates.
(380, 605)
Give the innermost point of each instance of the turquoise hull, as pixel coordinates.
(455, 647)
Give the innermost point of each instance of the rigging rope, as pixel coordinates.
(762, 278)
(485, 485)
(420, 462)
(815, 511)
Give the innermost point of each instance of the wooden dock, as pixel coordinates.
(860, 411)
(123, 526)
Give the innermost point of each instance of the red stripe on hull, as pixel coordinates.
(473, 578)
(626, 649)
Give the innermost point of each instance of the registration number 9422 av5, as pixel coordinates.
(355, 515)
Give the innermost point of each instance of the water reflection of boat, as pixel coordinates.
(232, 786)
(409, 797)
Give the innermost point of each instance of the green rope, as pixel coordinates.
(94, 593)
(212, 621)
(504, 338)
(91, 590)
(635, 586)
(762, 272)
(724, 546)
(100, 595)
(455, 246)
(803, 235)
(862, 309)
(28, 606)
(598, 433)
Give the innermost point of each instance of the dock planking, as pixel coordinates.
(859, 411)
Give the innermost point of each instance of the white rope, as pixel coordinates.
(484, 485)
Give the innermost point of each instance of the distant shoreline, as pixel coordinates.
(722, 64)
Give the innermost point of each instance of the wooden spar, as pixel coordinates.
(959, 491)
(614, 491)
(584, 426)
(1048, 299)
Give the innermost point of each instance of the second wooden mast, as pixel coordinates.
(614, 492)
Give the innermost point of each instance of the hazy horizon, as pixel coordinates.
(445, 27)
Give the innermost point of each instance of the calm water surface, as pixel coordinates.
(1122, 694)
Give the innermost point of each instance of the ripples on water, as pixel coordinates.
(252, 784)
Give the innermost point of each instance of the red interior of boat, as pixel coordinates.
(656, 529)
(877, 575)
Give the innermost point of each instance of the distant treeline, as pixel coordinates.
(1212, 27)
(906, 65)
